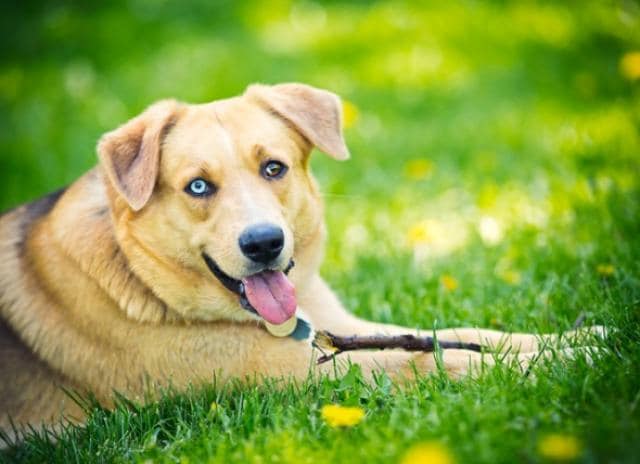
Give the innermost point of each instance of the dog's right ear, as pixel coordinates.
(130, 155)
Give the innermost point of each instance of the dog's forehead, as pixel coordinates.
(228, 131)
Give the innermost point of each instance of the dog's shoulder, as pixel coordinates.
(17, 229)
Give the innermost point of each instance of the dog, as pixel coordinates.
(181, 255)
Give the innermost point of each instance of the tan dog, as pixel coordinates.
(163, 264)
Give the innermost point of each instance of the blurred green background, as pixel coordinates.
(494, 182)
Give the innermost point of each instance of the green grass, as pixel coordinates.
(496, 143)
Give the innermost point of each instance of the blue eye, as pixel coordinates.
(199, 188)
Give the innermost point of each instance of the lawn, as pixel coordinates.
(494, 182)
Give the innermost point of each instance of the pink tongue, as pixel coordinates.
(272, 295)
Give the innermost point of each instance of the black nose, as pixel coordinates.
(262, 243)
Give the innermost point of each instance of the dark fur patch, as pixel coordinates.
(8, 338)
(42, 206)
(35, 210)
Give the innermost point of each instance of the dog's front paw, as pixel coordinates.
(585, 335)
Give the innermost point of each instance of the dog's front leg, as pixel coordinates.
(521, 342)
(248, 351)
(403, 367)
(327, 313)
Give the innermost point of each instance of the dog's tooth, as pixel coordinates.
(282, 330)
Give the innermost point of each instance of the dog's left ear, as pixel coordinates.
(130, 155)
(315, 113)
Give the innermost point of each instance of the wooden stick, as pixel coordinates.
(335, 344)
(579, 322)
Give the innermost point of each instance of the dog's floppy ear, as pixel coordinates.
(130, 155)
(315, 113)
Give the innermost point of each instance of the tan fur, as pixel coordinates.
(104, 288)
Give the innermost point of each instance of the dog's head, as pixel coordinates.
(212, 204)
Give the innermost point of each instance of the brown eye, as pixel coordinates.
(273, 170)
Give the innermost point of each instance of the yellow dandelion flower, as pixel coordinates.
(560, 447)
(214, 407)
(449, 282)
(418, 169)
(342, 416)
(350, 114)
(511, 277)
(605, 269)
(419, 234)
(630, 65)
(431, 452)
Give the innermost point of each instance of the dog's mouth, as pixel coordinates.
(268, 293)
